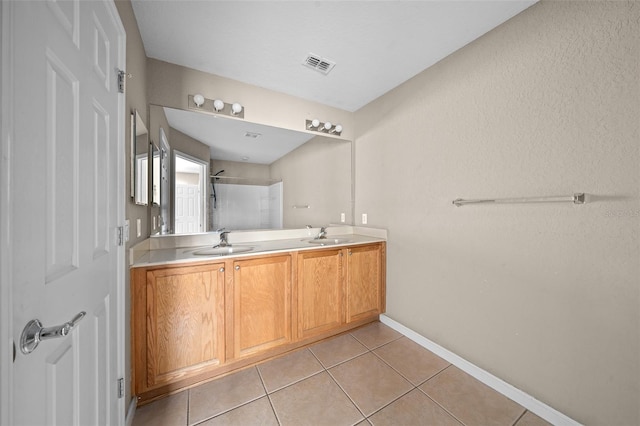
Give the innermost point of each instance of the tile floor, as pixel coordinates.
(372, 375)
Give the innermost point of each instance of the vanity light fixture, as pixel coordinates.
(214, 106)
(326, 127)
(218, 105)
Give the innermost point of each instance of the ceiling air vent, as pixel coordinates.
(322, 65)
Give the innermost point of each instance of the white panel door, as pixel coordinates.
(63, 136)
(187, 209)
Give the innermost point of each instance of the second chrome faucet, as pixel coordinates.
(223, 239)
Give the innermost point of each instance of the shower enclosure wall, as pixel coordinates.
(245, 204)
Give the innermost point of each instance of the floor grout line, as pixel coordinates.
(236, 406)
(326, 369)
(264, 386)
(347, 395)
(521, 416)
(188, 405)
(391, 402)
(436, 402)
(441, 406)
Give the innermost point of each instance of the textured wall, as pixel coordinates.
(544, 296)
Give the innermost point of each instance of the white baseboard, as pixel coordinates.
(527, 401)
(131, 412)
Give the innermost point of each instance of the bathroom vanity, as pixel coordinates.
(195, 317)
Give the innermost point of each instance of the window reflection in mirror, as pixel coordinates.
(139, 160)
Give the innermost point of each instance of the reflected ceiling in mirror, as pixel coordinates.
(236, 140)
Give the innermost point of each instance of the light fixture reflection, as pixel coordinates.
(327, 127)
(198, 99)
(236, 108)
(336, 129)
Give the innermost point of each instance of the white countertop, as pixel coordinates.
(182, 249)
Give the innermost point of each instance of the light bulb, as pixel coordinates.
(327, 125)
(236, 108)
(198, 99)
(337, 128)
(218, 105)
(314, 123)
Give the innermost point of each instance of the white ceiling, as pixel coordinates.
(376, 46)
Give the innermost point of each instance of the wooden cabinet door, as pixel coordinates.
(185, 322)
(320, 296)
(261, 305)
(365, 282)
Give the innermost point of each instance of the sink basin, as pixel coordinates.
(329, 241)
(220, 251)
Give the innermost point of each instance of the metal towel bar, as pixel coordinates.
(577, 198)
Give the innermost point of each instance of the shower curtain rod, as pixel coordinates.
(576, 198)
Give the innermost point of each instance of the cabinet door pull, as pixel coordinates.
(221, 269)
(237, 267)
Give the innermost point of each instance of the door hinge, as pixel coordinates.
(122, 233)
(121, 387)
(121, 77)
(120, 236)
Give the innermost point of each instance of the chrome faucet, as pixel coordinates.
(223, 239)
(322, 234)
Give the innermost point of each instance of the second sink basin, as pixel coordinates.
(220, 251)
(329, 241)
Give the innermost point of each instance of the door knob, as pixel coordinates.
(34, 332)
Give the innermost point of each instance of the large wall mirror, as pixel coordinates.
(139, 160)
(256, 176)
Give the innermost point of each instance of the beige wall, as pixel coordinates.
(136, 99)
(544, 296)
(317, 174)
